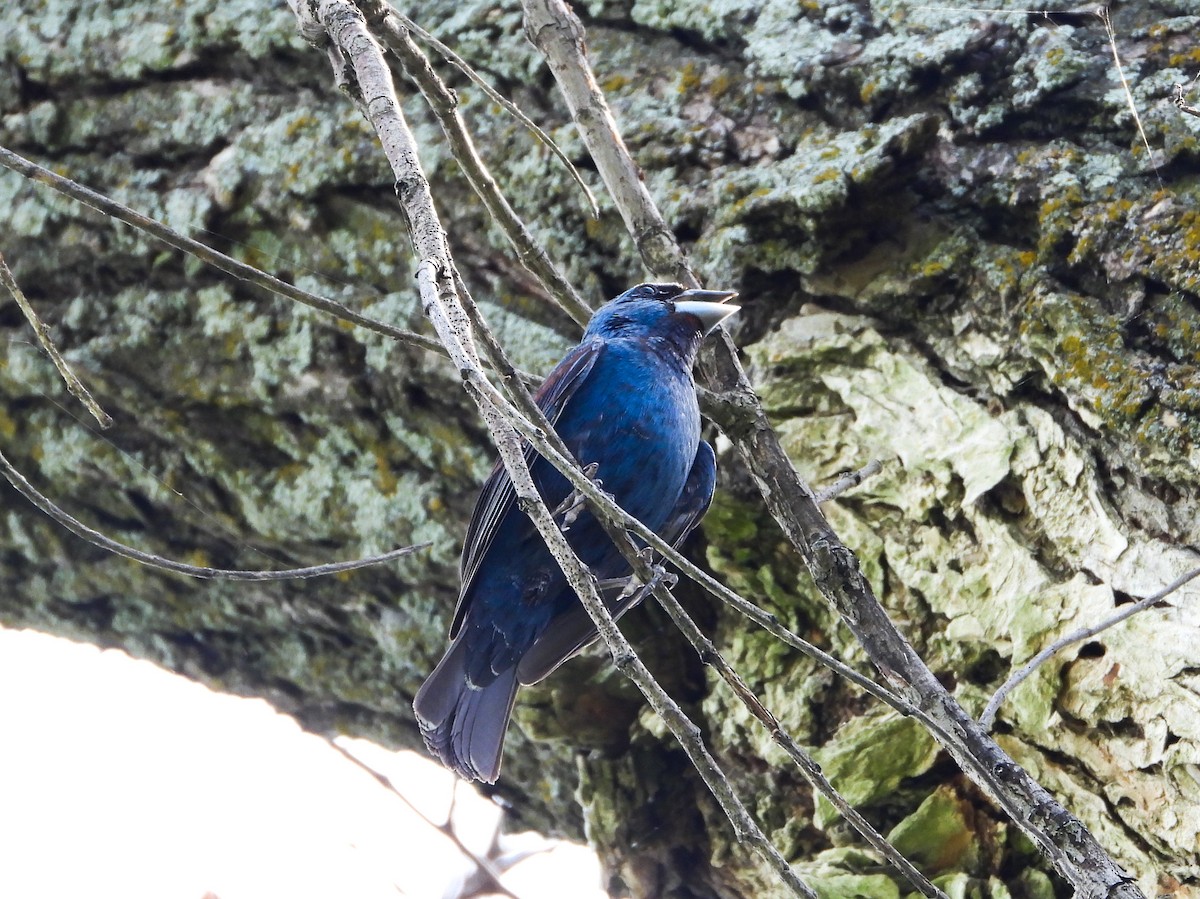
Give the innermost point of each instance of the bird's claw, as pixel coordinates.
(572, 507)
(659, 575)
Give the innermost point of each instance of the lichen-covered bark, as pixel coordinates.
(955, 255)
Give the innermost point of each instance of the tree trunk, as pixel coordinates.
(955, 254)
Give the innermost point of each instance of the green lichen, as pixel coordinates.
(940, 835)
(869, 758)
(771, 214)
(56, 41)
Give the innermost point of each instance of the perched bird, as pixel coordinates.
(624, 403)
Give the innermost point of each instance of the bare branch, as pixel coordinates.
(169, 236)
(493, 875)
(74, 385)
(77, 527)
(988, 718)
(808, 767)
(445, 106)
(848, 481)
(558, 34)
(1179, 98)
(1103, 14)
(556, 31)
(515, 111)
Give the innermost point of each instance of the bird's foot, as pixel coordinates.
(572, 507)
(609, 584)
(659, 575)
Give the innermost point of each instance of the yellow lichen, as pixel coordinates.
(298, 124)
(689, 78)
(385, 477)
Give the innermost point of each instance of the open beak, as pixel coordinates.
(707, 305)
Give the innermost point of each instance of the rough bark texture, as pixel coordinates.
(954, 255)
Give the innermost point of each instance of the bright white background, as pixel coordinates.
(119, 779)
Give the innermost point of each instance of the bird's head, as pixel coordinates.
(668, 311)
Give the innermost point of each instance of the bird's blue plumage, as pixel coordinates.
(625, 400)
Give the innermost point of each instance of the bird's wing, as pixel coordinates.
(575, 629)
(696, 497)
(497, 496)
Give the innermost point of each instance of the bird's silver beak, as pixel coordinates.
(707, 305)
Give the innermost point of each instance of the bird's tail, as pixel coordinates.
(464, 725)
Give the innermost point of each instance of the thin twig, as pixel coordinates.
(513, 109)
(559, 35)
(444, 104)
(989, 713)
(346, 27)
(1045, 13)
(849, 481)
(1074, 852)
(96, 538)
(1103, 15)
(808, 766)
(74, 385)
(171, 237)
(1179, 98)
(490, 871)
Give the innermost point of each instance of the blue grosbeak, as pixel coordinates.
(623, 401)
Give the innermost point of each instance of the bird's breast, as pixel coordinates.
(638, 419)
